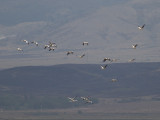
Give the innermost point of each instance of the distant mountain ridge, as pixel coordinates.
(134, 79)
(110, 27)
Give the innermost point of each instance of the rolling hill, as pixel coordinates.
(31, 87)
(83, 79)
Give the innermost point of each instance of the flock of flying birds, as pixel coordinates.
(85, 99)
(114, 60)
(52, 46)
(88, 99)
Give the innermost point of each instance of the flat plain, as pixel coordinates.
(106, 109)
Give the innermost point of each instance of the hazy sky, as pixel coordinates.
(110, 27)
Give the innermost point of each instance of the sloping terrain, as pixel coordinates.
(32, 87)
(134, 79)
(109, 26)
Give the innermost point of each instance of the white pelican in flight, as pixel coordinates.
(141, 27)
(26, 42)
(19, 49)
(85, 43)
(87, 100)
(70, 52)
(104, 67)
(106, 59)
(52, 44)
(131, 60)
(51, 48)
(114, 80)
(34, 42)
(46, 46)
(81, 56)
(72, 99)
(134, 46)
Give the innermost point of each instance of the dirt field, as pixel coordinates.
(107, 109)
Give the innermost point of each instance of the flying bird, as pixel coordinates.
(131, 60)
(104, 67)
(134, 46)
(72, 99)
(19, 49)
(141, 27)
(34, 42)
(52, 44)
(87, 100)
(46, 46)
(106, 59)
(51, 48)
(85, 43)
(81, 56)
(70, 52)
(26, 42)
(114, 80)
